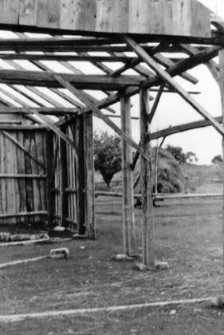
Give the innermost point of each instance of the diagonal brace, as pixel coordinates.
(79, 94)
(168, 79)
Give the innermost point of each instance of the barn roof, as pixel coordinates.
(50, 57)
(161, 17)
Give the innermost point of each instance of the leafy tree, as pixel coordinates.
(191, 158)
(217, 159)
(177, 153)
(107, 155)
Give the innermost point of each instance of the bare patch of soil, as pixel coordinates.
(188, 236)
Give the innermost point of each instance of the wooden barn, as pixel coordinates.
(48, 100)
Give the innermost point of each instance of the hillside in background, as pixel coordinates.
(203, 178)
(200, 179)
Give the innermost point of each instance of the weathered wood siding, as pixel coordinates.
(175, 17)
(22, 178)
(72, 175)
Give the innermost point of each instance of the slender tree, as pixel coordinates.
(107, 155)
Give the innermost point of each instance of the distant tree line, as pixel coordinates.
(107, 155)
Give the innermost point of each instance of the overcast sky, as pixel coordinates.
(172, 110)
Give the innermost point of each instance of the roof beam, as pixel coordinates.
(183, 127)
(155, 80)
(66, 58)
(46, 79)
(168, 79)
(93, 107)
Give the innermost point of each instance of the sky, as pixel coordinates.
(172, 110)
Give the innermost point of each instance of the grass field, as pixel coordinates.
(188, 236)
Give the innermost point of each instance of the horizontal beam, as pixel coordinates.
(53, 44)
(57, 111)
(21, 176)
(21, 127)
(46, 79)
(183, 127)
(66, 58)
(174, 70)
(168, 79)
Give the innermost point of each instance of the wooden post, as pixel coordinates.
(63, 179)
(146, 185)
(78, 131)
(89, 177)
(221, 83)
(127, 175)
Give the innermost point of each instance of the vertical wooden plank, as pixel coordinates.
(146, 185)
(121, 16)
(104, 15)
(9, 11)
(64, 169)
(127, 182)
(89, 177)
(221, 85)
(35, 170)
(78, 131)
(139, 13)
(17, 195)
(28, 170)
(78, 15)
(1, 180)
(182, 17)
(50, 177)
(9, 181)
(48, 13)
(28, 12)
(70, 14)
(21, 170)
(168, 17)
(200, 20)
(156, 17)
(41, 152)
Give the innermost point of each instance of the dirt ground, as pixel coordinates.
(188, 236)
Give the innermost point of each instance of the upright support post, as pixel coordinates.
(89, 176)
(127, 178)
(50, 174)
(221, 83)
(78, 131)
(63, 179)
(146, 184)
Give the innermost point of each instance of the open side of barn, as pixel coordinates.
(46, 131)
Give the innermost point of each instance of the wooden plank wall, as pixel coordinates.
(73, 177)
(175, 17)
(65, 189)
(22, 179)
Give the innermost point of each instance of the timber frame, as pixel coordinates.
(64, 107)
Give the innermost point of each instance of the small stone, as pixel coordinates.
(141, 267)
(173, 312)
(82, 247)
(122, 257)
(59, 253)
(162, 265)
(59, 228)
(218, 302)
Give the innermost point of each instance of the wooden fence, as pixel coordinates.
(22, 175)
(71, 177)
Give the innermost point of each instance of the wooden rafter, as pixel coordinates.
(167, 78)
(93, 107)
(183, 127)
(35, 78)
